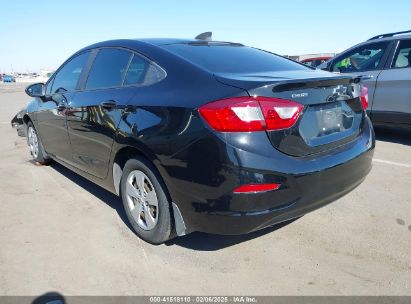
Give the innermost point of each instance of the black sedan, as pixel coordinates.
(199, 135)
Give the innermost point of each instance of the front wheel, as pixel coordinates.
(35, 146)
(145, 201)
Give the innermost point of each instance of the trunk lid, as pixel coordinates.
(332, 114)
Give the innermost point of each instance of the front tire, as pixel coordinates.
(145, 201)
(35, 145)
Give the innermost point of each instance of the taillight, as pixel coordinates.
(280, 113)
(253, 188)
(364, 97)
(245, 114)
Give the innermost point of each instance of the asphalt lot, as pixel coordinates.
(59, 232)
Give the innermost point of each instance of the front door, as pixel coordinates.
(52, 127)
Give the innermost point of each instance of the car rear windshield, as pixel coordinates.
(233, 58)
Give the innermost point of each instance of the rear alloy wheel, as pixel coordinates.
(145, 201)
(142, 200)
(35, 146)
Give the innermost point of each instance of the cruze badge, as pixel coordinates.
(299, 95)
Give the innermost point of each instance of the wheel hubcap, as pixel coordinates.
(142, 200)
(33, 142)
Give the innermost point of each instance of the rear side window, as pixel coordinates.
(67, 77)
(136, 71)
(142, 72)
(109, 68)
(402, 57)
(232, 58)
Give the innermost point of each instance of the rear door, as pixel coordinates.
(392, 98)
(96, 110)
(365, 60)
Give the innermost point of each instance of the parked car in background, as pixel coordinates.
(194, 141)
(385, 63)
(314, 62)
(8, 78)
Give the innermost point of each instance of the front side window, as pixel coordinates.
(67, 77)
(364, 58)
(109, 68)
(402, 57)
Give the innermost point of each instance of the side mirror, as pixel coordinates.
(36, 90)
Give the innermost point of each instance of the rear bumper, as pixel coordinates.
(308, 193)
(218, 165)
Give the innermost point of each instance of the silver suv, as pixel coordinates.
(385, 63)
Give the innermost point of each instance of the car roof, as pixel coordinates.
(165, 41)
(151, 41)
(391, 35)
(395, 37)
(381, 38)
(152, 48)
(133, 43)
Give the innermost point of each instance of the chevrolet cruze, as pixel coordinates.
(199, 135)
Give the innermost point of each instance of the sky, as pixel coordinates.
(41, 34)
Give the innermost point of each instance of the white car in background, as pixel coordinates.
(385, 63)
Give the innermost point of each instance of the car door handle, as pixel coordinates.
(109, 104)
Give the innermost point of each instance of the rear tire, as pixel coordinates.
(145, 201)
(35, 145)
